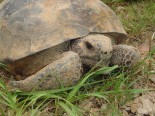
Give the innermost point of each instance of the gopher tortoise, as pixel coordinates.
(50, 42)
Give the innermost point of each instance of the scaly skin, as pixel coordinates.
(93, 48)
(64, 68)
(124, 55)
(65, 71)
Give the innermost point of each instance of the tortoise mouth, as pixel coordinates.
(91, 62)
(89, 58)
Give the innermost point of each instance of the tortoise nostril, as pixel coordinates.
(89, 45)
(105, 52)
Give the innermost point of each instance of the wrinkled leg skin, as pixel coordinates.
(65, 71)
(124, 55)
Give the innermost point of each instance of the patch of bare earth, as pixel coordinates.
(4, 75)
(93, 107)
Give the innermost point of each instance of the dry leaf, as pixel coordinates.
(134, 108)
(148, 107)
(144, 48)
(152, 77)
(125, 113)
(144, 105)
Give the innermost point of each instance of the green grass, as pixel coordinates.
(114, 90)
(137, 17)
(119, 1)
(141, 17)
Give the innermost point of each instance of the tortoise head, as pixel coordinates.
(92, 49)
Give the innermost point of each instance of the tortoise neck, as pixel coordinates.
(37, 60)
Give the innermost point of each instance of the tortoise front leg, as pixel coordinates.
(65, 71)
(124, 55)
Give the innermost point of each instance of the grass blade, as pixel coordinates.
(103, 70)
(67, 109)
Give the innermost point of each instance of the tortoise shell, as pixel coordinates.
(30, 26)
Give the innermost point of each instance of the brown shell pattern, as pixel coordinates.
(30, 26)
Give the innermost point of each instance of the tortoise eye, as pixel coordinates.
(89, 45)
(105, 52)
